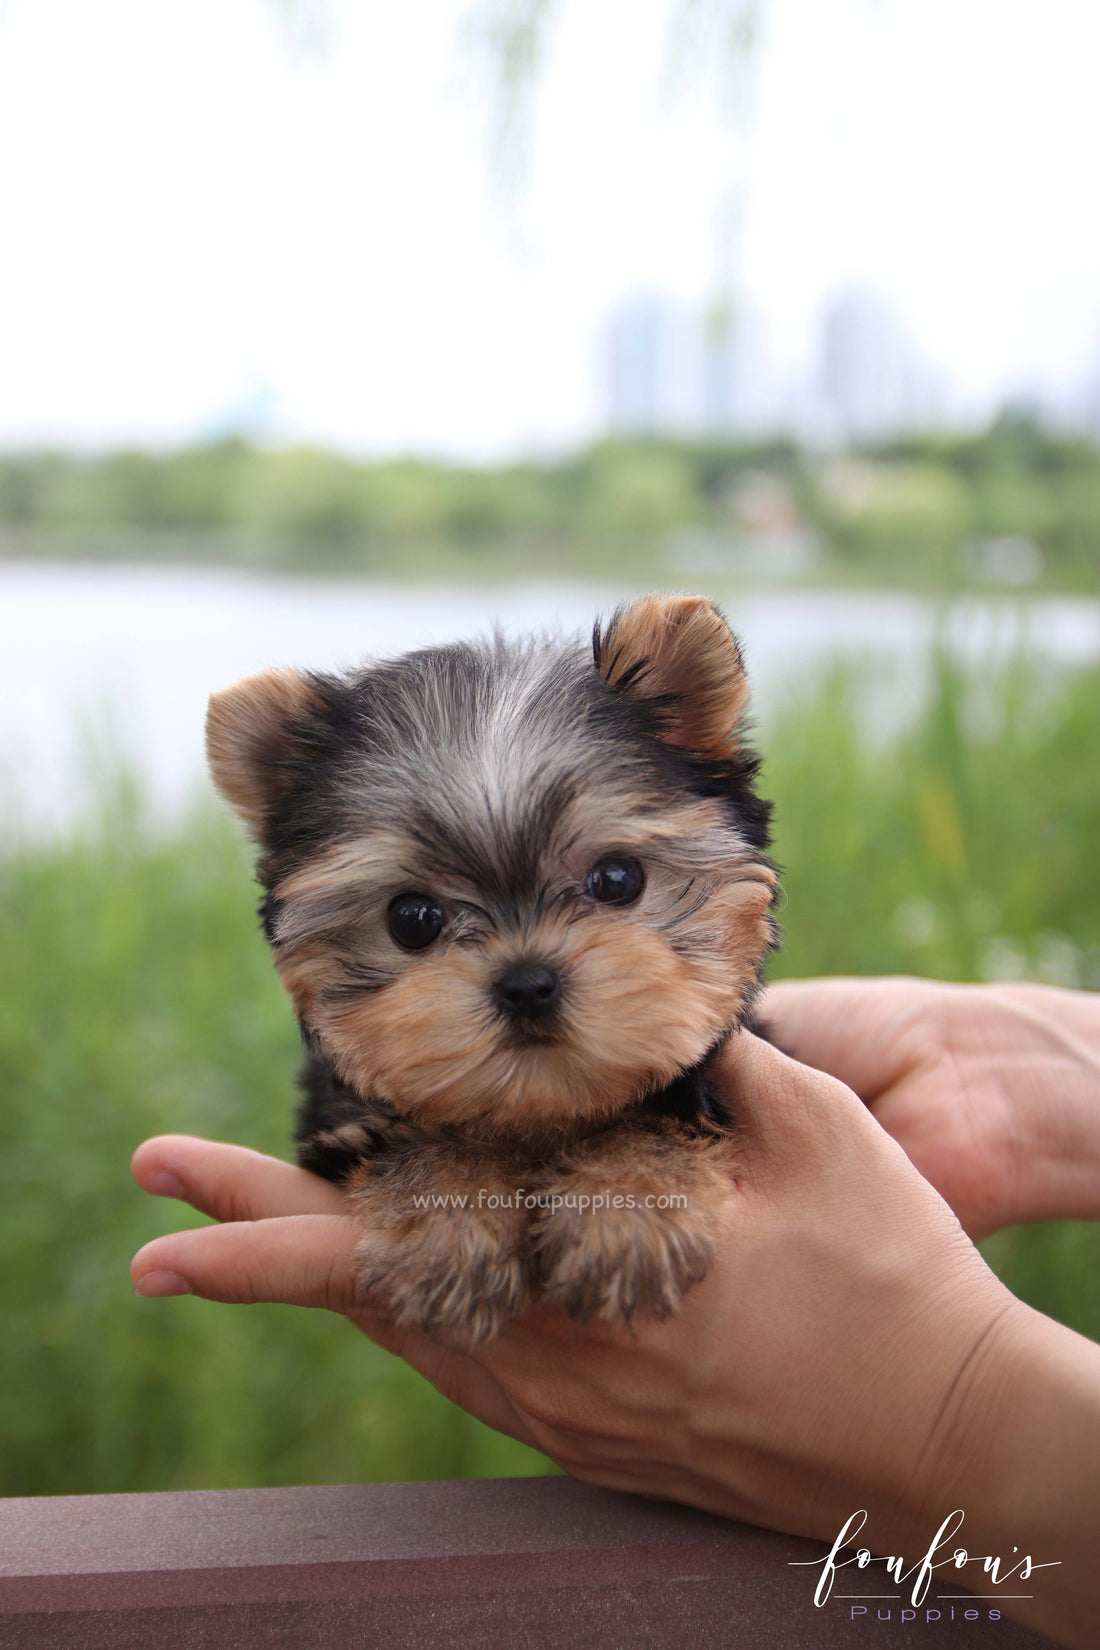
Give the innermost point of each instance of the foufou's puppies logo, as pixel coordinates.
(1018, 1568)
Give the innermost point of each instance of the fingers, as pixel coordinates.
(300, 1260)
(864, 1032)
(230, 1183)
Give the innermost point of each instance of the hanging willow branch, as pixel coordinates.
(306, 27)
(507, 40)
(715, 40)
(506, 44)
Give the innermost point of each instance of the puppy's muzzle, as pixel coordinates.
(528, 993)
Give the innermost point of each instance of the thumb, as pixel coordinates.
(782, 1108)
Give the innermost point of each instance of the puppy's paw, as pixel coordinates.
(457, 1273)
(621, 1263)
(628, 1225)
(420, 1283)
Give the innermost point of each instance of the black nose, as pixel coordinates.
(530, 991)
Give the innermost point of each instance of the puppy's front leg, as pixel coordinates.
(445, 1245)
(628, 1221)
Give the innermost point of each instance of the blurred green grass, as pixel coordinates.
(136, 996)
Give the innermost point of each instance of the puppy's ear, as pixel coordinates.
(252, 730)
(678, 654)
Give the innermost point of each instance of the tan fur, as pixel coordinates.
(459, 1273)
(431, 1044)
(245, 724)
(688, 652)
(305, 972)
(350, 865)
(612, 1256)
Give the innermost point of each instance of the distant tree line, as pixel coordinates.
(1013, 498)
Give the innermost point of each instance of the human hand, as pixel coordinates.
(993, 1090)
(849, 1349)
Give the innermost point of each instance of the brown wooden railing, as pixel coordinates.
(516, 1563)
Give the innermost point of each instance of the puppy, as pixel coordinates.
(519, 896)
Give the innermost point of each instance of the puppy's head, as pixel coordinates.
(510, 888)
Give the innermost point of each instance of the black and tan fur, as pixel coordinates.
(492, 777)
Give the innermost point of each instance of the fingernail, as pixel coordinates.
(156, 1284)
(163, 1184)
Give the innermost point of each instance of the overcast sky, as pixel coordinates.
(200, 229)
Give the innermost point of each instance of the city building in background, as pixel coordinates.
(677, 369)
(873, 381)
(673, 369)
(655, 368)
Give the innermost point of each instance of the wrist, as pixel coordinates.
(1017, 1450)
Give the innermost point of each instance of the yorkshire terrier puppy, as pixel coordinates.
(519, 895)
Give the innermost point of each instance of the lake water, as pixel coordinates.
(136, 651)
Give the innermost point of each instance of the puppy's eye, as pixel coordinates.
(415, 920)
(615, 881)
